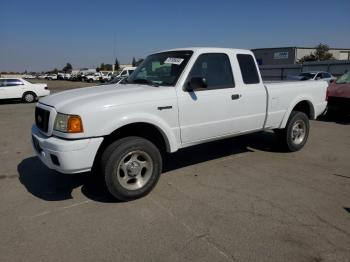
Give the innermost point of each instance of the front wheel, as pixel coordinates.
(131, 167)
(29, 97)
(294, 136)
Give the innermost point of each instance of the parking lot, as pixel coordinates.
(234, 200)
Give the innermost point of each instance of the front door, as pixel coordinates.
(206, 113)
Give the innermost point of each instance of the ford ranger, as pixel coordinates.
(174, 99)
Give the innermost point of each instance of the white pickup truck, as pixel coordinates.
(174, 99)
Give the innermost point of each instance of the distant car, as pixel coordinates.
(106, 77)
(42, 76)
(93, 77)
(127, 71)
(18, 88)
(339, 95)
(313, 75)
(29, 76)
(115, 81)
(51, 77)
(63, 76)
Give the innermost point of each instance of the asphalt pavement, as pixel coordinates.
(240, 199)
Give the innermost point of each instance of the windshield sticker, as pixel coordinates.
(173, 60)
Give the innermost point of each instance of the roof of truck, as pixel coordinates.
(208, 49)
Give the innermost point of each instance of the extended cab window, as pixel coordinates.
(248, 69)
(215, 69)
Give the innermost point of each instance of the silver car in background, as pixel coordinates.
(313, 75)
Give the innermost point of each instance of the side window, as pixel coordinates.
(13, 82)
(326, 75)
(124, 73)
(318, 76)
(2, 82)
(248, 69)
(215, 68)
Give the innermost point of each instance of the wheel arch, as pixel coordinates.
(29, 92)
(147, 130)
(304, 105)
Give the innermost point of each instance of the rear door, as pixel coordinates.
(15, 88)
(12, 88)
(252, 96)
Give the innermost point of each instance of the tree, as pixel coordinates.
(116, 65)
(104, 67)
(133, 63)
(321, 54)
(68, 68)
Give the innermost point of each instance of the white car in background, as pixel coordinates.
(18, 88)
(127, 71)
(29, 76)
(51, 77)
(313, 75)
(42, 76)
(93, 77)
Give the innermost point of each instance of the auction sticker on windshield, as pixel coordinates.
(173, 60)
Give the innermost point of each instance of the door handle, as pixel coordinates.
(236, 96)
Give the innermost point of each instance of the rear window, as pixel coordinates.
(248, 69)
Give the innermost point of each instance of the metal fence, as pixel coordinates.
(280, 72)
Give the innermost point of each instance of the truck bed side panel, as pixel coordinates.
(284, 96)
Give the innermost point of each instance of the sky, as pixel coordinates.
(42, 35)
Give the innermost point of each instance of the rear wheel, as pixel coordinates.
(131, 167)
(294, 136)
(29, 97)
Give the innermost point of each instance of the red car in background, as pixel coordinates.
(339, 95)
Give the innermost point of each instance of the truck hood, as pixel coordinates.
(75, 100)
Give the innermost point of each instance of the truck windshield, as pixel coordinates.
(161, 69)
(344, 79)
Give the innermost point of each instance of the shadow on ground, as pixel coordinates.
(10, 101)
(49, 185)
(335, 118)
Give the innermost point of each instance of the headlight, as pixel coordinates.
(68, 123)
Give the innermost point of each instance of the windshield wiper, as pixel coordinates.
(144, 81)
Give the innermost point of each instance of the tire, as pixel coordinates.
(294, 136)
(131, 167)
(29, 97)
(90, 80)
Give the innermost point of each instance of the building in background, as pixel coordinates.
(291, 55)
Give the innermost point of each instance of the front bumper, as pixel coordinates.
(65, 156)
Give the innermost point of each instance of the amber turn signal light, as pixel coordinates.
(74, 125)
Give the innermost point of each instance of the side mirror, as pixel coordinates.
(196, 83)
